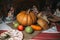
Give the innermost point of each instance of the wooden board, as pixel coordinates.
(26, 35)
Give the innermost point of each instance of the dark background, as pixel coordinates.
(24, 5)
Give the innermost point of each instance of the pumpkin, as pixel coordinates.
(26, 18)
(36, 27)
(43, 23)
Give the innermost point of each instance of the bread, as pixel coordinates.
(43, 23)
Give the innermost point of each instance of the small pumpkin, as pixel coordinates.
(43, 23)
(36, 27)
(26, 18)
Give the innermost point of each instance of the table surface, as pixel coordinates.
(26, 35)
(36, 34)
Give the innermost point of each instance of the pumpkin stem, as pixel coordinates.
(28, 11)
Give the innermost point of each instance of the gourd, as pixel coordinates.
(26, 18)
(36, 27)
(43, 23)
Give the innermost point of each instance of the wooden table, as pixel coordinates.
(26, 35)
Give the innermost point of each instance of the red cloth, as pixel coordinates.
(1, 31)
(58, 28)
(47, 36)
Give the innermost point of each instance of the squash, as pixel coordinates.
(36, 27)
(26, 18)
(43, 23)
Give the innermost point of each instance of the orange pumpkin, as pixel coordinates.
(26, 18)
(36, 27)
